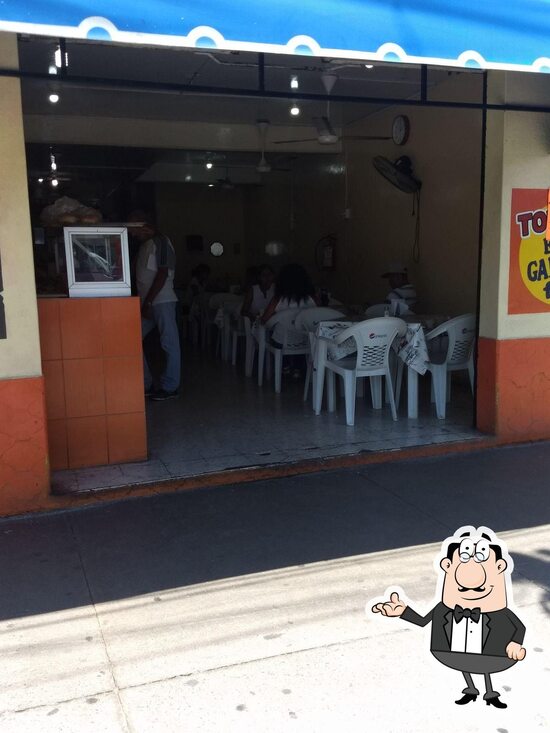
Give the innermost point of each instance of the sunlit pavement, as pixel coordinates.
(243, 608)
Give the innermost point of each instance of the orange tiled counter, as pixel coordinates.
(93, 374)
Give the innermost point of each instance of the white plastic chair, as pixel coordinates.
(307, 320)
(231, 307)
(377, 311)
(285, 319)
(240, 328)
(214, 303)
(396, 308)
(461, 333)
(237, 330)
(373, 338)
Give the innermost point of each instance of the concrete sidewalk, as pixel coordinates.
(242, 608)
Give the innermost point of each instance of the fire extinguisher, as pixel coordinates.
(325, 252)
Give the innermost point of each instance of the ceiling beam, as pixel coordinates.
(190, 89)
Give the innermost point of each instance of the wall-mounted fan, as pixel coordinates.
(325, 132)
(399, 173)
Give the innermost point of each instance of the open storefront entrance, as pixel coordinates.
(268, 186)
(131, 126)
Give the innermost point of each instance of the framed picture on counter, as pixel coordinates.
(97, 261)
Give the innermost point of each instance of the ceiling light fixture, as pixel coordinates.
(294, 84)
(40, 180)
(209, 165)
(295, 110)
(54, 182)
(53, 164)
(210, 185)
(58, 58)
(369, 66)
(187, 178)
(54, 98)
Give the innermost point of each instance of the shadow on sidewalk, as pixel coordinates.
(142, 546)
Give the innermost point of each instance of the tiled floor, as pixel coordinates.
(223, 420)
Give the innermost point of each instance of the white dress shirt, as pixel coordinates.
(466, 636)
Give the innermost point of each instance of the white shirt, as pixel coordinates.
(259, 300)
(405, 294)
(154, 253)
(466, 636)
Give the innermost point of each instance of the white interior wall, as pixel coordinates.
(445, 146)
(215, 214)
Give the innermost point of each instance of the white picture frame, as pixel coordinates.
(101, 283)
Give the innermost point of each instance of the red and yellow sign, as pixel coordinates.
(529, 280)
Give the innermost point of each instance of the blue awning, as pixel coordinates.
(492, 34)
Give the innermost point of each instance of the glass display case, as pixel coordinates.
(97, 261)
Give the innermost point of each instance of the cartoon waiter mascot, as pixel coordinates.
(473, 630)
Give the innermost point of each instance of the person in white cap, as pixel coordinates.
(402, 296)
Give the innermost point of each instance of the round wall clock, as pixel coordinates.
(216, 248)
(400, 130)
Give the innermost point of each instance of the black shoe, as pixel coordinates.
(466, 699)
(161, 395)
(496, 702)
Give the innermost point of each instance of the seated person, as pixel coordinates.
(260, 294)
(293, 289)
(402, 296)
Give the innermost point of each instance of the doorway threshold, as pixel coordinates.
(140, 479)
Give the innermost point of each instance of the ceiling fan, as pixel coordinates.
(325, 132)
(225, 183)
(263, 165)
(399, 173)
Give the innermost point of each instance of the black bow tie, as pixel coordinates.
(459, 613)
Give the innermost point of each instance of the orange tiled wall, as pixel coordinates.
(93, 373)
(513, 393)
(24, 470)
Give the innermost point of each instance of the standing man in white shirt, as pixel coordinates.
(155, 268)
(402, 296)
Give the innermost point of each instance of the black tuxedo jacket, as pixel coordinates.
(499, 628)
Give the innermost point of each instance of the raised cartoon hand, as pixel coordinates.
(394, 607)
(515, 651)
